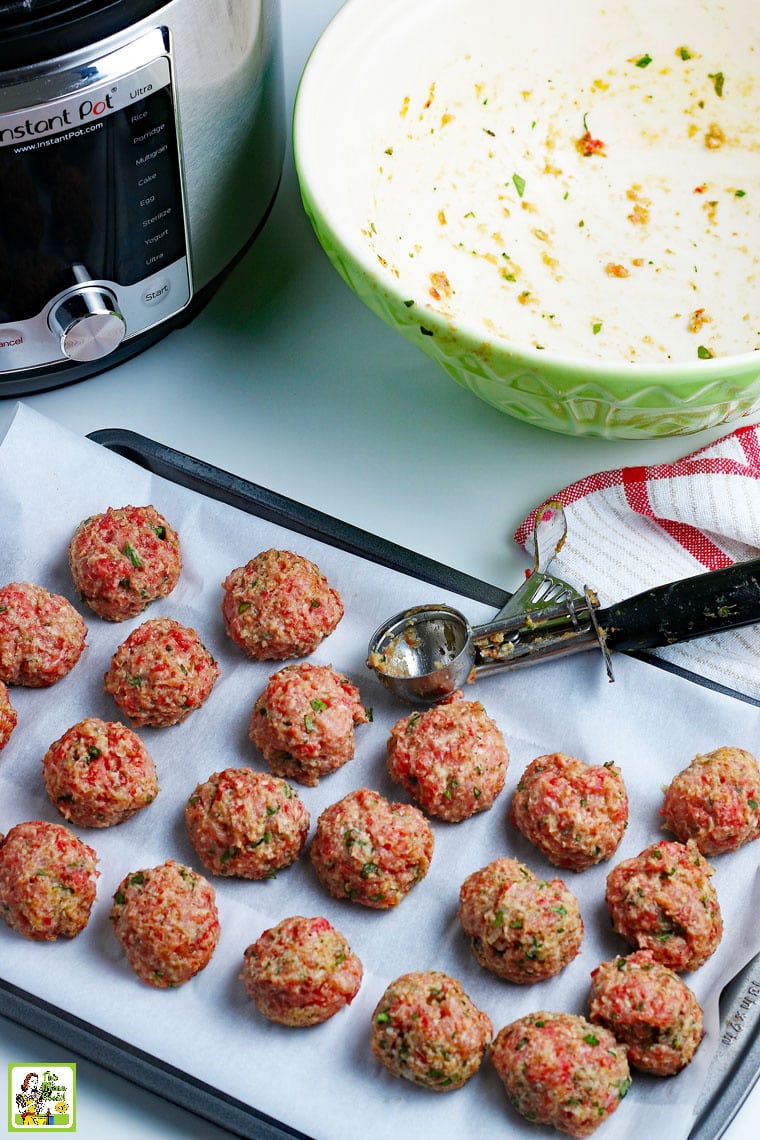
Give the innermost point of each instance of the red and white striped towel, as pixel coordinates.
(635, 527)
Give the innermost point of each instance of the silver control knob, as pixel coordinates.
(88, 323)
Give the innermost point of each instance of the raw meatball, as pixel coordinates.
(8, 717)
(662, 900)
(124, 559)
(246, 824)
(561, 1070)
(715, 801)
(451, 759)
(166, 920)
(41, 635)
(371, 851)
(279, 605)
(303, 722)
(99, 773)
(427, 1030)
(574, 812)
(47, 881)
(161, 673)
(649, 1009)
(301, 972)
(520, 927)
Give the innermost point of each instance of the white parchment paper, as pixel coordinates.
(324, 1080)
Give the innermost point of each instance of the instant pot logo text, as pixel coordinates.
(85, 112)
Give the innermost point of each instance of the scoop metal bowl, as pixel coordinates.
(427, 652)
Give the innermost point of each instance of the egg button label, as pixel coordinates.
(42, 1096)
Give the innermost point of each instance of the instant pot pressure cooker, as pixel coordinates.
(141, 146)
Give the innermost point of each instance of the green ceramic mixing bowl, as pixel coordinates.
(572, 235)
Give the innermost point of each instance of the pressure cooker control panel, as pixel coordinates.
(93, 234)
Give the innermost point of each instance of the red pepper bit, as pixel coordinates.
(588, 146)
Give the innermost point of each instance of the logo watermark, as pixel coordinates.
(42, 1096)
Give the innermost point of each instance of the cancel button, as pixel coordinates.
(157, 291)
(10, 339)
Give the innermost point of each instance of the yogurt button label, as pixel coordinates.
(157, 291)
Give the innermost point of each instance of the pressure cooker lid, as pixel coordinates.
(32, 31)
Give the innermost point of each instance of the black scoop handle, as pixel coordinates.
(692, 607)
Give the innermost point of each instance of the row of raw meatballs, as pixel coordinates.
(451, 760)
(424, 1028)
(277, 606)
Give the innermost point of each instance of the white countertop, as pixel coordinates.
(288, 380)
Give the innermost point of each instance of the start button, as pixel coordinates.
(156, 291)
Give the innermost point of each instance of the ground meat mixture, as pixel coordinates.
(41, 635)
(451, 759)
(279, 605)
(521, 928)
(99, 773)
(715, 801)
(161, 673)
(303, 722)
(301, 972)
(662, 900)
(246, 824)
(166, 920)
(649, 1009)
(561, 1070)
(124, 559)
(371, 851)
(574, 812)
(427, 1030)
(8, 716)
(47, 881)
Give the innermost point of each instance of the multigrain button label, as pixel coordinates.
(42, 1096)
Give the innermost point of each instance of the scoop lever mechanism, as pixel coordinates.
(425, 653)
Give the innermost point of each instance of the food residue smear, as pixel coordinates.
(612, 216)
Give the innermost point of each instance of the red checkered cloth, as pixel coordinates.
(636, 527)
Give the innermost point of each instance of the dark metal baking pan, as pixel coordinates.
(736, 1065)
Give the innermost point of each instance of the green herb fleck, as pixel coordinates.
(132, 555)
(718, 79)
(519, 183)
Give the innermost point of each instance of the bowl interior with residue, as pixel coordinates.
(557, 202)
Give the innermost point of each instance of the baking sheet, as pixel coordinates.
(205, 1040)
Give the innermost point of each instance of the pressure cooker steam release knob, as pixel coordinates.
(88, 323)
